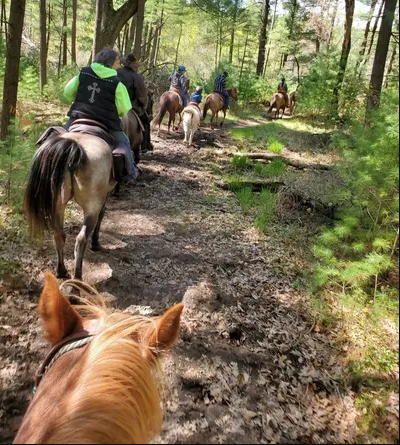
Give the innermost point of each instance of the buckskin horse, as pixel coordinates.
(171, 102)
(97, 383)
(215, 103)
(72, 165)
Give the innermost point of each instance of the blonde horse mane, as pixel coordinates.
(116, 397)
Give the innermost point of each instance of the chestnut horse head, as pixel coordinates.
(97, 384)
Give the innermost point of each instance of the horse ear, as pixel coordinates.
(58, 316)
(164, 333)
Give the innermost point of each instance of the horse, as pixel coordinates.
(97, 383)
(171, 102)
(72, 165)
(215, 103)
(277, 101)
(133, 128)
(191, 117)
(292, 102)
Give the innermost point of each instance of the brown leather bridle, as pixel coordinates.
(68, 344)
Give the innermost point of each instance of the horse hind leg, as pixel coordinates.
(59, 240)
(96, 247)
(89, 224)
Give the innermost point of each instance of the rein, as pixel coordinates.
(71, 343)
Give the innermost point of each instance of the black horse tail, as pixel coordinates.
(49, 166)
(161, 113)
(206, 108)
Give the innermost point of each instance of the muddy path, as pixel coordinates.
(252, 366)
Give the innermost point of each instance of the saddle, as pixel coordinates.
(121, 160)
(195, 105)
(220, 95)
(174, 90)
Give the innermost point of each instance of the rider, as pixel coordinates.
(283, 88)
(97, 93)
(179, 83)
(220, 87)
(138, 94)
(197, 96)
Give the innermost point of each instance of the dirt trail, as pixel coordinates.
(251, 366)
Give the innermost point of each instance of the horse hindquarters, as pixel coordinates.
(49, 190)
(191, 122)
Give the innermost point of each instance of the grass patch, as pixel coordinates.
(276, 168)
(241, 163)
(266, 206)
(275, 146)
(245, 197)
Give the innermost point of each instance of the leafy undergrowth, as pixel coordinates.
(369, 329)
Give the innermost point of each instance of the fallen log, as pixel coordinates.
(256, 185)
(326, 209)
(292, 162)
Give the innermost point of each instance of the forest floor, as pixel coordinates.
(254, 364)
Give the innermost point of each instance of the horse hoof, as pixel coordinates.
(96, 248)
(63, 274)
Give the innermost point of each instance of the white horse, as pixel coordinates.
(191, 117)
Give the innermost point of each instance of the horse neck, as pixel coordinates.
(79, 381)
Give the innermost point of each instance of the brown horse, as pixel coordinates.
(97, 384)
(71, 166)
(292, 102)
(278, 101)
(172, 103)
(215, 103)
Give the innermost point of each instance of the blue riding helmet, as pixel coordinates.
(181, 68)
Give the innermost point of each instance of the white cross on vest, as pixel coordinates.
(94, 88)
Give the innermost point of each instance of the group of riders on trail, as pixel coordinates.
(111, 87)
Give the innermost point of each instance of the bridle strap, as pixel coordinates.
(70, 343)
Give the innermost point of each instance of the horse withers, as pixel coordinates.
(97, 384)
(69, 166)
(215, 103)
(191, 117)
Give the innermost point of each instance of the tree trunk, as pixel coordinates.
(64, 34)
(333, 21)
(158, 41)
(3, 20)
(233, 30)
(366, 35)
(73, 30)
(100, 7)
(11, 75)
(43, 45)
(139, 28)
(372, 41)
(269, 37)
(391, 65)
(109, 22)
(244, 55)
(178, 45)
(262, 42)
(350, 6)
(149, 41)
(378, 70)
(131, 37)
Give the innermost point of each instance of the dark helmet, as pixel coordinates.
(225, 74)
(283, 79)
(199, 89)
